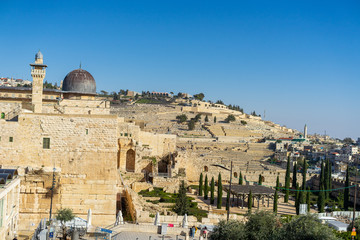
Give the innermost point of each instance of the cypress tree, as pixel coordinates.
(182, 203)
(294, 180)
(260, 180)
(201, 185)
(321, 175)
(240, 179)
(321, 200)
(297, 199)
(308, 199)
(276, 195)
(287, 181)
(206, 188)
(250, 202)
(347, 190)
(326, 178)
(304, 175)
(212, 190)
(227, 200)
(275, 201)
(330, 172)
(219, 194)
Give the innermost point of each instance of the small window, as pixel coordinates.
(87, 131)
(46, 143)
(121, 134)
(126, 134)
(11, 139)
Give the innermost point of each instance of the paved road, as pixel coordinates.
(144, 236)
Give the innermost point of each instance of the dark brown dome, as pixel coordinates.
(80, 81)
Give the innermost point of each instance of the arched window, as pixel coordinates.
(130, 161)
(235, 174)
(206, 169)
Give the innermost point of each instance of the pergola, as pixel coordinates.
(257, 191)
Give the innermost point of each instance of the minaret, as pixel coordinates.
(38, 74)
(305, 131)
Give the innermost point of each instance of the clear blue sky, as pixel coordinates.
(298, 60)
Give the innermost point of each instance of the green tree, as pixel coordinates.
(243, 122)
(64, 215)
(219, 193)
(297, 199)
(206, 118)
(240, 179)
(261, 225)
(191, 125)
(199, 96)
(348, 140)
(227, 200)
(304, 170)
(305, 227)
(308, 199)
(229, 230)
(260, 180)
(181, 118)
(275, 207)
(347, 190)
(212, 190)
(294, 180)
(215, 119)
(250, 201)
(206, 188)
(230, 118)
(201, 185)
(287, 180)
(197, 117)
(182, 203)
(326, 178)
(321, 200)
(277, 183)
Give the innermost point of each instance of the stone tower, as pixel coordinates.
(305, 131)
(38, 70)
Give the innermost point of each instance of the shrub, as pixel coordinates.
(181, 118)
(230, 118)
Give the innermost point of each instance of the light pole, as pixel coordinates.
(52, 192)
(228, 200)
(353, 220)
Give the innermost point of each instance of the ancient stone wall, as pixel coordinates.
(84, 151)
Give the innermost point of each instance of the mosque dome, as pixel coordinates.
(38, 55)
(80, 81)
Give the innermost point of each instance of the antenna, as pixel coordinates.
(80, 64)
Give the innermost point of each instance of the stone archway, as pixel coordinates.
(130, 160)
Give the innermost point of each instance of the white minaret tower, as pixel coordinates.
(305, 131)
(38, 74)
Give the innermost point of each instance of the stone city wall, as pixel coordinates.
(83, 149)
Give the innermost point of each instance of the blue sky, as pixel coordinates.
(298, 60)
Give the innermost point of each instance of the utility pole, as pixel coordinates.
(228, 211)
(353, 220)
(52, 192)
(230, 170)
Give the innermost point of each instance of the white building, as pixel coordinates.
(9, 203)
(351, 149)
